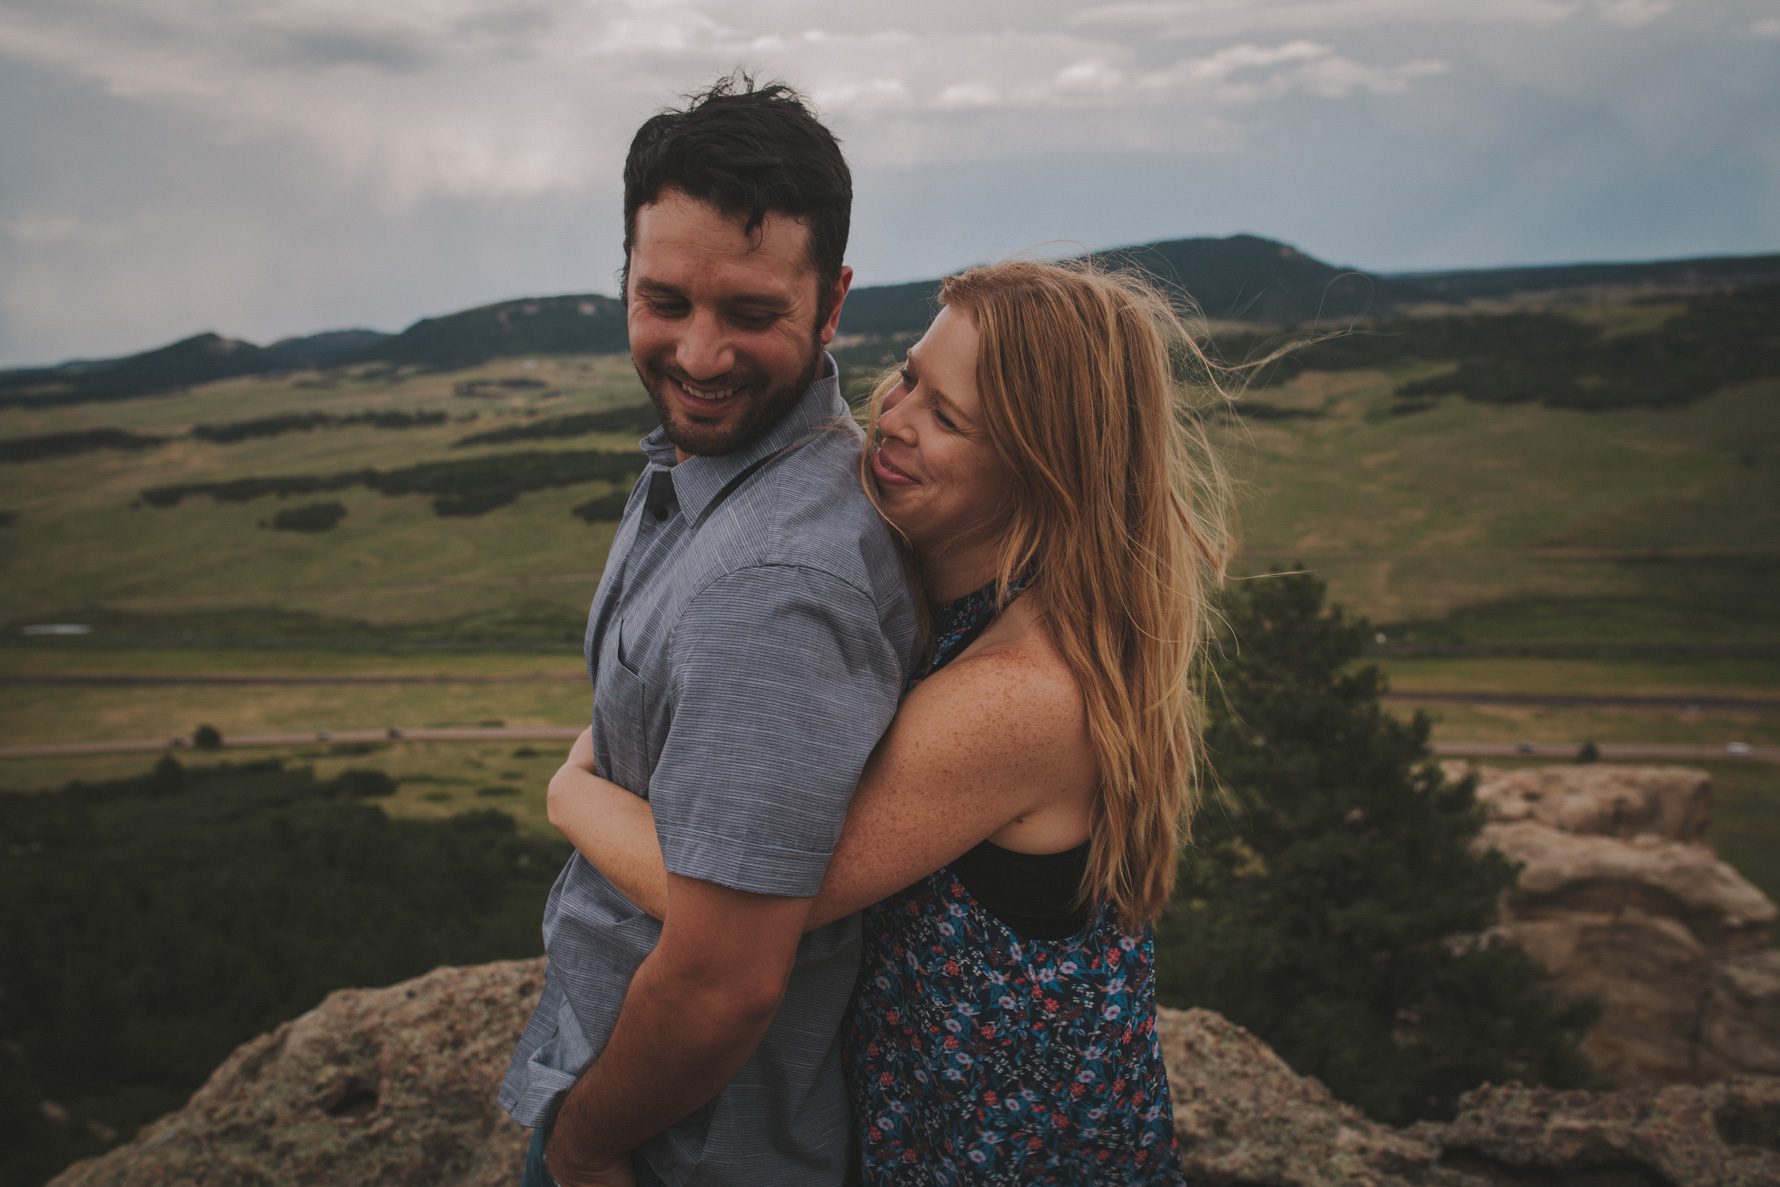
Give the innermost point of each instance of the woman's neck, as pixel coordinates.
(949, 574)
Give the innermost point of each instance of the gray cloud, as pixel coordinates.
(299, 164)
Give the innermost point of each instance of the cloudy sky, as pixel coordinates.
(265, 168)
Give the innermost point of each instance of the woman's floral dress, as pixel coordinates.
(979, 1056)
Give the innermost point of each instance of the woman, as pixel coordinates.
(1016, 830)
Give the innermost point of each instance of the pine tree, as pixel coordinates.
(1330, 901)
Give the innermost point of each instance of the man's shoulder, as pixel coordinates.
(805, 508)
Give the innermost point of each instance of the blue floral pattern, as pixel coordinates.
(975, 1055)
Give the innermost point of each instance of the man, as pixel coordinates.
(747, 645)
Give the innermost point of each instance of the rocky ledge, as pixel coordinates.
(1622, 900)
(397, 1086)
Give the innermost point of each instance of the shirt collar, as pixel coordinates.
(701, 479)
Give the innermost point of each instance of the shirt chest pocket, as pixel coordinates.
(621, 714)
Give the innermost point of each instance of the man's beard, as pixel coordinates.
(765, 406)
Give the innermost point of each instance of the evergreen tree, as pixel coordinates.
(1330, 901)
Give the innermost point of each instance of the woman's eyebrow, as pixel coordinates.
(939, 397)
(951, 407)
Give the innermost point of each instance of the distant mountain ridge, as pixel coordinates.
(585, 323)
(198, 359)
(1238, 278)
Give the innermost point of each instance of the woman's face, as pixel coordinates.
(938, 478)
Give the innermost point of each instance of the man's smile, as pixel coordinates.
(708, 395)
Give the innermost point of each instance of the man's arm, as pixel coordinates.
(695, 1011)
(782, 679)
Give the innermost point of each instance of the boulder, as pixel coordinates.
(1564, 874)
(397, 1087)
(1620, 898)
(1718, 1135)
(1738, 1017)
(1604, 799)
(1244, 1117)
(387, 1086)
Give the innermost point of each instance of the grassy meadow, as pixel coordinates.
(1517, 549)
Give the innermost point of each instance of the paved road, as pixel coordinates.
(519, 733)
(1610, 751)
(1595, 700)
(1457, 696)
(148, 681)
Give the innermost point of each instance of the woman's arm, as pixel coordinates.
(610, 827)
(986, 741)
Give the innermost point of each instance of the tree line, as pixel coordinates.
(463, 487)
(69, 444)
(150, 925)
(1717, 340)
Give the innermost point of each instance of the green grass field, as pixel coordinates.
(1495, 548)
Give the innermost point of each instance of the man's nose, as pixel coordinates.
(704, 350)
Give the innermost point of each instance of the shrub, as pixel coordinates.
(465, 486)
(637, 418)
(167, 777)
(358, 784)
(310, 517)
(606, 507)
(54, 445)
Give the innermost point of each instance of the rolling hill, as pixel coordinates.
(1241, 278)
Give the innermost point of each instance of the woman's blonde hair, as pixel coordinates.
(1121, 512)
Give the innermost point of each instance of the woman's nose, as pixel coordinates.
(894, 419)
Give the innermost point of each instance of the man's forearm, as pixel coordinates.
(678, 1040)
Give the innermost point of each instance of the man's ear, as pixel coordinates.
(837, 296)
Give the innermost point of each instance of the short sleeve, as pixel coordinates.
(783, 679)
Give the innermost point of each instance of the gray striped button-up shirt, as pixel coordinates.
(747, 645)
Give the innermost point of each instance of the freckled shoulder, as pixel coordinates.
(1015, 694)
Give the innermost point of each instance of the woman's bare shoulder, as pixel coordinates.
(1015, 680)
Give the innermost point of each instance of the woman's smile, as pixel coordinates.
(887, 472)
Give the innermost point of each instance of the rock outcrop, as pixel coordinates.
(1622, 900)
(386, 1086)
(397, 1087)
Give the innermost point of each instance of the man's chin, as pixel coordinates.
(706, 440)
(735, 422)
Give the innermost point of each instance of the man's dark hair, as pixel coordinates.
(746, 151)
